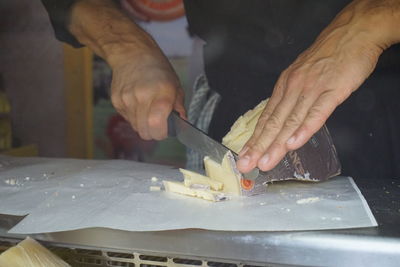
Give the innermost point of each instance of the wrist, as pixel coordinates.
(380, 21)
(104, 28)
(128, 50)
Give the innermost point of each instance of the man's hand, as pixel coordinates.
(320, 79)
(145, 88)
(145, 91)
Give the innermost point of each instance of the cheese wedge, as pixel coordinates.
(180, 188)
(192, 178)
(225, 173)
(243, 128)
(29, 253)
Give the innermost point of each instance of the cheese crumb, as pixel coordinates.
(155, 188)
(308, 200)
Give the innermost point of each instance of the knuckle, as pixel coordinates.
(317, 114)
(274, 122)
(250, 142)
(264, 117)
(339, 100)
(143, 94)
(127, 99)
(294, 78)
(293, 121)
(278, 145)
(258, 148)
(155, 120)
(116, 101)
(163, 104)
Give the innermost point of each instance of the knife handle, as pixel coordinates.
(171, 123)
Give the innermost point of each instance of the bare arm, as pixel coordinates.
(144, 87)
(320, 79)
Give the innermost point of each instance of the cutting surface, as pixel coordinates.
(379, 246)
(115, 194)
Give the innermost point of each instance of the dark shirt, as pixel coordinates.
(58, 11)
(249, 43)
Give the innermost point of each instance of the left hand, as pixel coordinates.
(310, 89)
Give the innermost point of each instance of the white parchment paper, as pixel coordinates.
(66, 194)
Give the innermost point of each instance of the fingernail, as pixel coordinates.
(244, 161)
(264, 160)
(243, 151)
(291, 140)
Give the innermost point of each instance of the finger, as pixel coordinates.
(276, 97)
(117, 102)
(142, 114)
(136, 109)
(315, 119)
(158, 115)
(279, 147)
(245, 164)
(270, 131)
(131, 120)
(119, 106)
(179, 104)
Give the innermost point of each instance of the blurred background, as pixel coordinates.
(54, 99)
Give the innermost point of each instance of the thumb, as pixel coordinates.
(179, 104)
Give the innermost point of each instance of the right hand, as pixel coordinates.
(145, 89)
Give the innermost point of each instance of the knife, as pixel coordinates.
(196, 139)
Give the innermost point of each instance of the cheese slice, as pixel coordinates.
(243, 128)
(225, 172)
(154, 188)
(29, 253)
(192, 178)
(180, 188)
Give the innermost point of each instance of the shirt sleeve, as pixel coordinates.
(59, 11)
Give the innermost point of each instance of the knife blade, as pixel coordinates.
(194, 138)
(198, 140)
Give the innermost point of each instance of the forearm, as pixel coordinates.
(383, 18)
(375, 21)
(104, 28)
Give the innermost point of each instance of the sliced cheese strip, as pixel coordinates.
(180, 188)
(225, 173)
(154, 188)
(29, 253)
(196, 178)
(243, 128)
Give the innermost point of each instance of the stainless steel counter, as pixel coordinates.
(355, 247)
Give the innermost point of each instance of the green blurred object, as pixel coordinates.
(170, 152)
(102, 111)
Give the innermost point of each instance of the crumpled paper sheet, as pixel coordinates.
(68, 194)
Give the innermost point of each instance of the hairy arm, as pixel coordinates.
(144, 86)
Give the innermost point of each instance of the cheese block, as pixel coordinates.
(225, 173)
(180, 188)
(243, 128)
(29, 253)
(192, 178)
